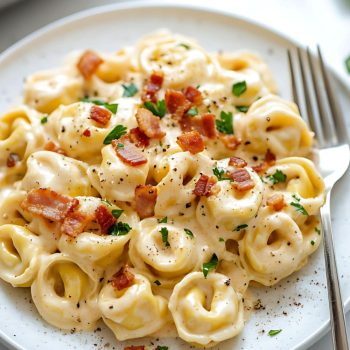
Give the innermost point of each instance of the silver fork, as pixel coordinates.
(310, 83)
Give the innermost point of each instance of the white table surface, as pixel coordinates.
(326, 22)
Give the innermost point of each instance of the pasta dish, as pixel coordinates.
(150, 187)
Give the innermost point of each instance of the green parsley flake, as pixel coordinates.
(43, 120)
(119, 229)
(221, 239)
(296, 197)
(220, 174)
(187, 47)
(277, 177)
(120, 145)
(243, 109)
(130, 90)
(157, 109)
(188, 232)
(192, 111)
(299, 208)
(318, 230)
(225, 123)
(157, 282)
(211, 265)
(115, 134)
(112, 107)
(239, 88)
(164, 231)
(164, 220)
(117, 212)
(274, 332)
(347, 64)
(240, 227)
(159, 347)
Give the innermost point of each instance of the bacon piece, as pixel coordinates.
(104, 218)
(269, 160)
(230, 141)
(87, 133)
(237, 162)
(176, 103)
(191, 141)
(242, 180)
(276, 202)
(135, 347)
(100, 115)
(123, 278)
(204, 185)
(145, 200)
(137, 136)
(149, 124)
(153, 85)
(75, 223)
(129, 154)
(12, 160)
(53, 147)
(193, 95)
(205, 124)
(209, 126)
(88, 63)
(49, 204)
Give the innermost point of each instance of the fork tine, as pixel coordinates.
(293, 79)
(340, 127)
(325, 116)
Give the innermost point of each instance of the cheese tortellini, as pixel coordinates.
(150, 187)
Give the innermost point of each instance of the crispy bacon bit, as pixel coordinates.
(135, 347)
(191, 141)
(104, 218)
(176, 103)
(129, 153)
(137, 136)
(87, 133)
(49, 204)
(209, 126)
(242, 180)
(204, 185)
(145, 200)
(237, 162)
(205, 124)
(230, 141)
(149, 124)
(276, 202)
(193, 95)
(53, 147)
(12, 160)
(269, 160)
(88, 64)
(100, 115)
(75, 223)
(153, 85)
(124, 278)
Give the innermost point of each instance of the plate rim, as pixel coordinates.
(158, 4)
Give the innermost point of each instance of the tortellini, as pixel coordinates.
(206, 310)
(133, 312)
(65, 294)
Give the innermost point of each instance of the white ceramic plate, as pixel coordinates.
(298, 305)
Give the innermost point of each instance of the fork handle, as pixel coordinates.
(338, 325)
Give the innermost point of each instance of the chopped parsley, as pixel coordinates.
(296, 197)
(274, 332)
(243, 109)
(187, 47)
(43, 120)
(130, 90)
(211, 265)
(299, 208)
(120, 145)
(112, 107)
(188, 232)
(119, 229)
(239, 88)
(164, 220)
(115, 134)
(318, 230)
(225, 123)
(277, 177)
(347, 64)
(220, 174)
(312, 242)
(157, 282)
(159, 347)
(157, 109)
(117, 212)
(240, 227)
(221, 239)
(164, 231)
(192, 111)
